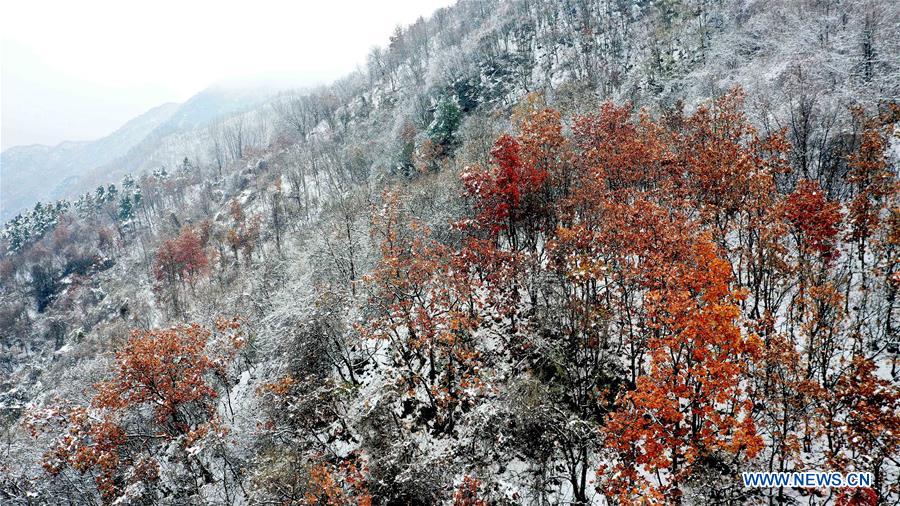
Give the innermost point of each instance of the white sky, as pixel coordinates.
(77, 70)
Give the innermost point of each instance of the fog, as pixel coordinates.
(79, 70)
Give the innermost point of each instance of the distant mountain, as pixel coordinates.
(176, 137)
(215, 102)
(29, 174)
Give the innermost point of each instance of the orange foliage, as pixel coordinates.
(857, 497)
(690, 403)
(617, 153)
(423, 302)
(871, 175)
(245, 234)
(181, 259)
(815, 220)
(88, 443)
(870, 424)
(341, 484)
(467, 493)
(165, 370)
(671, 241)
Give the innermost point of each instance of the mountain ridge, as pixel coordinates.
(71, 167)
(21, 164)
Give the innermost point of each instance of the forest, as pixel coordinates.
(537, 252)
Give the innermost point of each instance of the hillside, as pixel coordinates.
(40, 173)
(184, 134)
(535, 253)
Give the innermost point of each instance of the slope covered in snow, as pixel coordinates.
(460, 276)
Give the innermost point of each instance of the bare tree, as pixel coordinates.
(235, 140)
(217, 146)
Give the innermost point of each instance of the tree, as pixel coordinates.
(618, 153)
(874, 184)
(501, 193)
(727, 168)
(162, 372)
(178, 261)
(868, 434)
(340, 484)
(245, 233)
(277, 219)
(817, 310)
(876, 190)
(814, 221)
(690, 404)
(217, 145)
(447, 118)
(45, 283)
(235, 138)
(422, 304)
(165, 369)
(789, 399)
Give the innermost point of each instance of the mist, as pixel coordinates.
(91, 66)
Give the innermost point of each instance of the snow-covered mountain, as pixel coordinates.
(540, 252)
(182, 135)
(34, 173)
(40, 173)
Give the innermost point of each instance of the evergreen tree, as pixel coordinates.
(447, 118)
